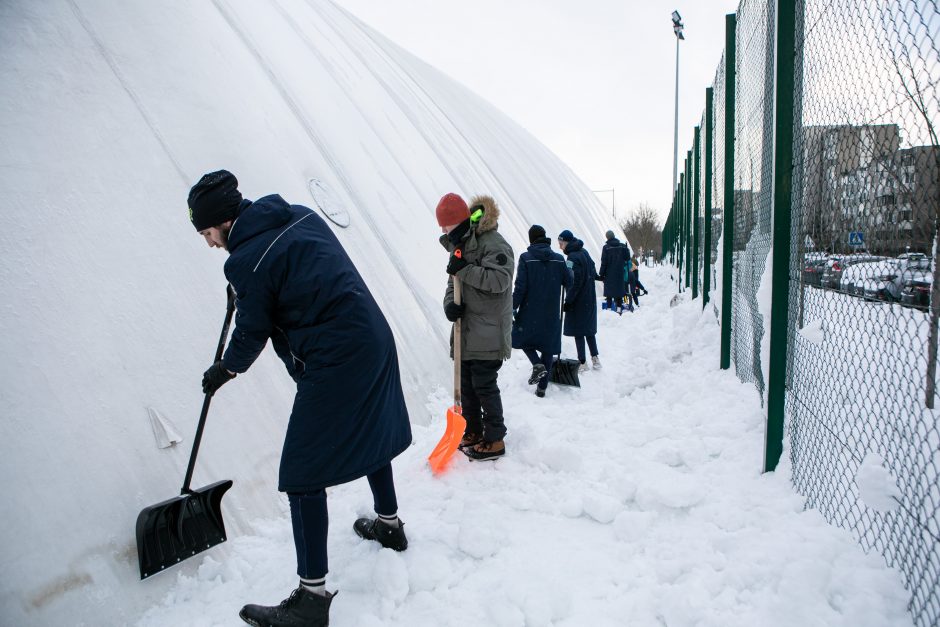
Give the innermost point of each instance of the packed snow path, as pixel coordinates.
(636, 500)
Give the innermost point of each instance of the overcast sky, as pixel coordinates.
(594, 80)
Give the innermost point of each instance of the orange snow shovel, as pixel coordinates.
(440, 457)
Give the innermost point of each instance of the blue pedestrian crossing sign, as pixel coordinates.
(856, 238)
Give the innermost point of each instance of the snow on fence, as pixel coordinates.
(820, 192)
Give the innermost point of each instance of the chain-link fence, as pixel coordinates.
(863, 443)
(830, 248)
(753, 169)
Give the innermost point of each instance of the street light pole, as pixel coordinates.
(677, 29)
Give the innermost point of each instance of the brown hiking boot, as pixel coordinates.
(469, 439)
(486, 450)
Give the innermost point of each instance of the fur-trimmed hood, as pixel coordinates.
(490, 219)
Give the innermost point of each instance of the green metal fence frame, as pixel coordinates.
(727, 237)
(688, 220)
(784, 103)
(707, 257)
(696, 209)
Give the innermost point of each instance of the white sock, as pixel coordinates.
(317, 586)
(391, 521)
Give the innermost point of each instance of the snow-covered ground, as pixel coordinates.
(636, 500)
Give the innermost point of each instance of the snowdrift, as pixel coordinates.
(112, 304)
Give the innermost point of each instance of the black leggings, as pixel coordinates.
(310, 519)
(579, 344)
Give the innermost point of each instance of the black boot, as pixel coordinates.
(538, 371)
(301, 609)
(386, 535)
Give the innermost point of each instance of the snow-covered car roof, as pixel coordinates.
(870, 270)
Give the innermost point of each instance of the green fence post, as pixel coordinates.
(688, 219)
(681, 222)
(675, 226)
(727, 216)
(696, 209)
(662, 251)
(672, 231)
(783, 180)
(707, 252)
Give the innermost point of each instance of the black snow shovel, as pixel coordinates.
(171, 531)
(565, 371)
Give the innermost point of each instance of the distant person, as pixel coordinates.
(536, 299)
(581, 300)
(635, 286)
(484, 267)
(295, 285)
(614, 257)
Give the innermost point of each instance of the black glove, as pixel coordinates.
(599, 277)
(453, 311)
(456, 264)
(215, 377)
(567, 307)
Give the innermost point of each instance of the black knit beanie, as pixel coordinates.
(214, 199)
(536, 233)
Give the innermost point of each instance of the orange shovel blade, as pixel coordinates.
(441, 455)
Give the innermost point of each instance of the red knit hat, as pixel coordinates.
(452, 210)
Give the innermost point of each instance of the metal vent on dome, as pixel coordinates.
(328, 203)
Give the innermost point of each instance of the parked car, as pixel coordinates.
(877, 288)
(813, 271)
(915, 261)
(832, 273)
(887, 280)
(912, 267)
(916, 291)
(836, 264)
(856, 278)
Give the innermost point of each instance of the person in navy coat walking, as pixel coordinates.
(536, 301)
(614, 258)
(581, 300)
(295, 285)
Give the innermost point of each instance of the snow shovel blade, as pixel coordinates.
(171, 531)
(565, 372)
(440, 457)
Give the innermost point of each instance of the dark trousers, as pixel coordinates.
(614, 304)
(310, 520)
(547, 360)
(479, 394)
(579, 344)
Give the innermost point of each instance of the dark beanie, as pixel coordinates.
(609, 234)
(214, 199)
(536, 233)
(566, 236)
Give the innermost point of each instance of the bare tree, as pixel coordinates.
(642, 229)
(919, 91)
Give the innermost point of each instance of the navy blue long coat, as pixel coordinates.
(582, 319)
(613, 258)
(294, 283)
(536, 298)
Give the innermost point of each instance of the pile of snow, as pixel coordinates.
(637, 499)
(112, 305)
